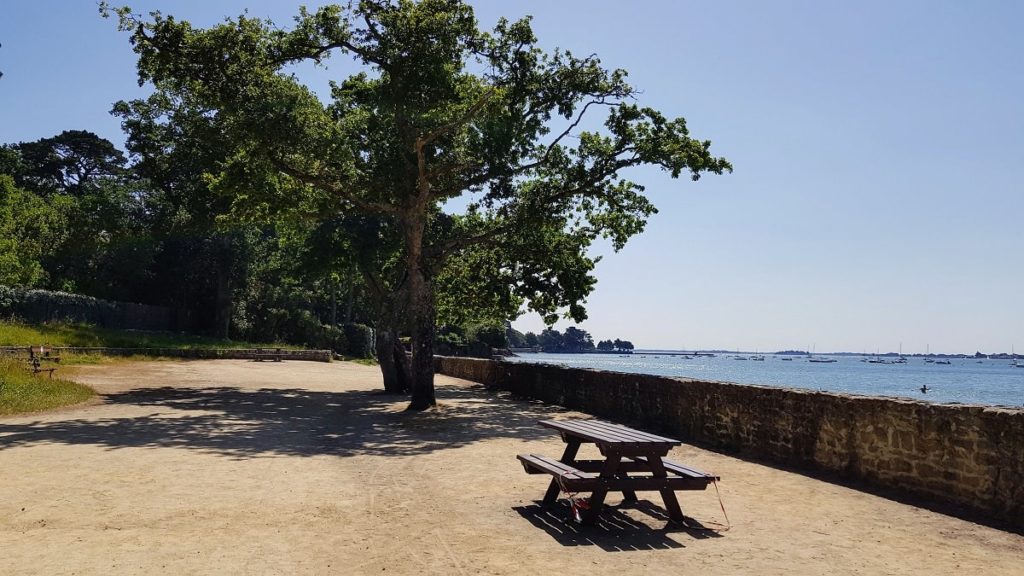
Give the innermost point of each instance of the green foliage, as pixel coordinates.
(44, 306)
(449, 338)
(22, 392)
(68, 163)
(360, 340)
(515, 338)
(438, 110)
(29, 227)
(491, 335)
(575, 340)
(14, 333)
(304, 328)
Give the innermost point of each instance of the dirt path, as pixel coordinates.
(232, 467)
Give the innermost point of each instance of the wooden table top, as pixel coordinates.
(608, 434)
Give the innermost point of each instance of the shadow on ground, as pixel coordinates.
(292, 422)
(615, 531)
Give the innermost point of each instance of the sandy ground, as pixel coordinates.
(233, 467)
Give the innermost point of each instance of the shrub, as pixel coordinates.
(360, 340)
(39, 306)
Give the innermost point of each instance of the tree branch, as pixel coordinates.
(440, 131)
(360, 204)
(517, 170)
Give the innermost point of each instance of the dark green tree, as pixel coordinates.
(68, 162)
(176, 145)
(550, 340)
(531, 339)
(515, 338)
(29, 228)
(440, 110)
(577, 340)
(103, 250)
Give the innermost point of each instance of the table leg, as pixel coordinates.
(572, 447)
(667, 494)
(628, 496)
(609, 471)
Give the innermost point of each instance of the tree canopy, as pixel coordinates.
(439, 110)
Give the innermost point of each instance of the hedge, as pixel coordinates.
(360, 340)
(38, 306)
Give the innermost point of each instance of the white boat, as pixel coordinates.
(900, 359)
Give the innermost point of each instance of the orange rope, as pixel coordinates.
(714, 526)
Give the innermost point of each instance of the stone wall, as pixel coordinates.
(969, 456)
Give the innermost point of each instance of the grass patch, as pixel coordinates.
(93, 359)
(22, 391)
(84, 335)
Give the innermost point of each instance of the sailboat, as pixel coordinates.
(876, 359)
(818, 359)
(900, 359)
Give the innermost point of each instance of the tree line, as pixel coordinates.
(79, 215)
(457, 177)
(573, 340)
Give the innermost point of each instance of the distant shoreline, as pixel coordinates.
(647, 351)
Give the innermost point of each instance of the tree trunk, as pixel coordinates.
(421, 316)
(422, 366)
(351, 296)
(222, 314)
(389, 369)
(334, 304)
(402, 367)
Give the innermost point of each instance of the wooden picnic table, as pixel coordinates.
(633, 461)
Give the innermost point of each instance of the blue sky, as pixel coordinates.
(878, 146)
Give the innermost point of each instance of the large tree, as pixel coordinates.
(29, 228)
(68, 163)
(175, 144)
(105, 211)
(438, 110)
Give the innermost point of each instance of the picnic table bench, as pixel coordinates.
(37, 355)
(633, 462)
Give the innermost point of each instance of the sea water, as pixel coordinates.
(965, 380)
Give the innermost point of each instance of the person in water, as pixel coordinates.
(924, 389)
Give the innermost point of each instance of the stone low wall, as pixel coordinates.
(969, 456)
(189, 353)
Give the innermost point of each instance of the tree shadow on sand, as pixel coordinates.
(265, 422)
